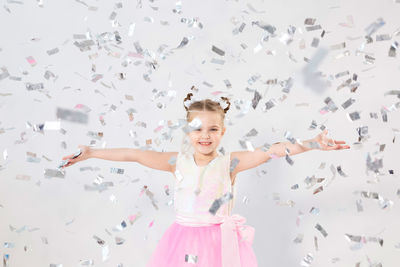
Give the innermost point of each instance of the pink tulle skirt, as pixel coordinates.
(201, 241)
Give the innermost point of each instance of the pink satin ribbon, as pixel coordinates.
(233, 226)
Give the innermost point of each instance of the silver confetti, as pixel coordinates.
(339, 169)
(119, 240)
(53, 51)
(219, 202)
(86, 262)
(374, 26)
(190, 258)
(218, 61)
(34, 86)
(183, 43)
(383, 37)
(348, 103)
(313, 28)
(353, 116)
(306, 262)
(117, 170)
(99, 240)
(309, 21)
(98, 187)
(218, 51)
(298, 239)
(172, 160)
(265, 147)
(256, 99)
(49, 173)
(233, 164)
(316, 243)
(289, 160)
(315, 42)
(321, 230)
(71, 115)
(228, 84)
(338, 46)
(105, 251)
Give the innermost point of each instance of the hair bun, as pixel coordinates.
(188, 97)
(227, 101)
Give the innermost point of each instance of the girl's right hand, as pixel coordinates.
(85, 154)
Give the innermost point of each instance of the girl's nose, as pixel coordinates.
(205, 134)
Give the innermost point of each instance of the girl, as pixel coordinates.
(205, 233)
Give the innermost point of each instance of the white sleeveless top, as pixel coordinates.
(210, 182)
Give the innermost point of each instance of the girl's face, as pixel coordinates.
(206, 139)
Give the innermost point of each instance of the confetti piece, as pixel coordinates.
(183, 43)
(217, 50)
(34, 86)
(53, 51)
(321, 230)
(116, 170)
(289, 160)
(353, 116)
(31, 61)
(309, 21)
(105, 251)
(71, 115)
(319, 189)
(306, 262)
(219, 202)
(314, 210)
(50, 173)
(86, 262)
(190, 258)
(298, 239)
(339, 169)
(119, 240)
(374, 26)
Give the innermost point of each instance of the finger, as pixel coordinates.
(343, 147)
(69, 156)
(340, 142)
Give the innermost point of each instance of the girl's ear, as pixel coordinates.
(223, 130)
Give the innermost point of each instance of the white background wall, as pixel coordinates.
(64, 213)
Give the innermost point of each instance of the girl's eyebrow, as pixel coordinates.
(213, 126)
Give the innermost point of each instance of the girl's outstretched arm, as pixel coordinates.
(320, 142)
(251, 159)
(156, 160)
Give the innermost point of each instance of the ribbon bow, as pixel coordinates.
(195, 98)
(232, 227)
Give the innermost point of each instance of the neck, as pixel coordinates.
(205, 157)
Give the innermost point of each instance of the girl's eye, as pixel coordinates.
(211, 129)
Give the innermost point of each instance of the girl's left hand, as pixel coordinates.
(326, 143)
